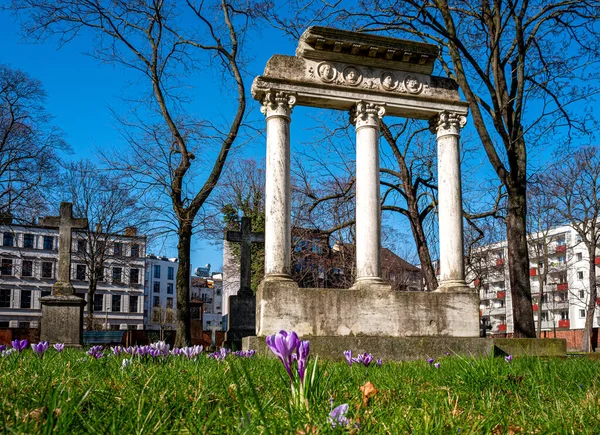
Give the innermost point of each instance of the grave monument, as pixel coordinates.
(62, 311)
(242, 307)
(370, 77)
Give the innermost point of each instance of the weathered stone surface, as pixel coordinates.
(242, 319)
(367, 49)
(366, 311)
(62, 320)
(416, 348)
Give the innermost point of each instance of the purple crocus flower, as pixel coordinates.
(430, 360)
(117, 350)
(303, 350)
(284, 344)
(2, 347)
(19, 345)
(95, 352)
(162, 347)
(508, 358)
(59, 347)
(437, 365)
(40, 348)
(379, 362)
(348, 355)
(337, 417)
(364, 359)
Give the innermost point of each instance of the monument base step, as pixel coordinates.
(418, 348)
(62, 320)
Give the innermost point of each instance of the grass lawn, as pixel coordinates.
(71, 392)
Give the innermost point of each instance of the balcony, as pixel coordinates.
(535, 307)
(533, 272)
(502, 327)
(477, 282)
(597, 260)
(560, 249)
(564, 323)
(499, 311)
(499, 261)
(562, 286)
(501, 295)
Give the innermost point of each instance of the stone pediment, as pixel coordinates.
(336, 68)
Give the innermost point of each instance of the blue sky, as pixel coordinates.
(81, 90)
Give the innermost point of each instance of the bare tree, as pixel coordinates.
(29, 145)
(575, 184)
(111, 210)
(507, 57)
(174, 157)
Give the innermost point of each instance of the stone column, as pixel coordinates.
(366, 118)
(277, 108)
(452, 274)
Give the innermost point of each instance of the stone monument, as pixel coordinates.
(62, 311)
(370, 77)
(242, 307)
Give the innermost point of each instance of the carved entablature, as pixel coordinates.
(336, 68)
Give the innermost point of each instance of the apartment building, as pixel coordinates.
(160, 294)
(209, 290)
(565, 282)
(29, 265)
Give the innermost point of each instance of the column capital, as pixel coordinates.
(445, 123)
(278, 104)
(365, 114)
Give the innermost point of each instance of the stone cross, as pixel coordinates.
(65, 223)
(245, 237)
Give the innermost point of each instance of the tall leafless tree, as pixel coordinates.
(110, 209)
(574, 182)
(29, 145)
(176, 158)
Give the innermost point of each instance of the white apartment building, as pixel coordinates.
(566, 290)
(160, 304)
(29, 266)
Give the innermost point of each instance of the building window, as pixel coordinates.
(5, 295)
(156, 301)
(133, 304)
(24, 324)
(80, 275)
(562, 259)
(4, 324)
(156, 286)
(116, 303)
(28, 241)
(579, 256)
(170, 273)
(26, 299)
(564, 315)
(46, 293)
(48, 243)
(116, 274)
(135, 251)
(134, 276)
(9, 239)
(98, 302)
(100, 276)
(581, 294)
(170, 288)
(47, 267)
(170, 303)
(118, 249)
(544, 317)
(580, 274)
(156, 271)
(27, 268)
(582, 314)
(6, 268)
(81, 246)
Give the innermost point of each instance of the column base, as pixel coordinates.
(370, 283)
(454, 286)
(62, 320)
(269, 277)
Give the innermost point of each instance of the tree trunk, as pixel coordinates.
(539, 304)
(518, 261)
(586, 344)
(184, 333)
(422, 250)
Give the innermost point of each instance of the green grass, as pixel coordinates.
(72, 393)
